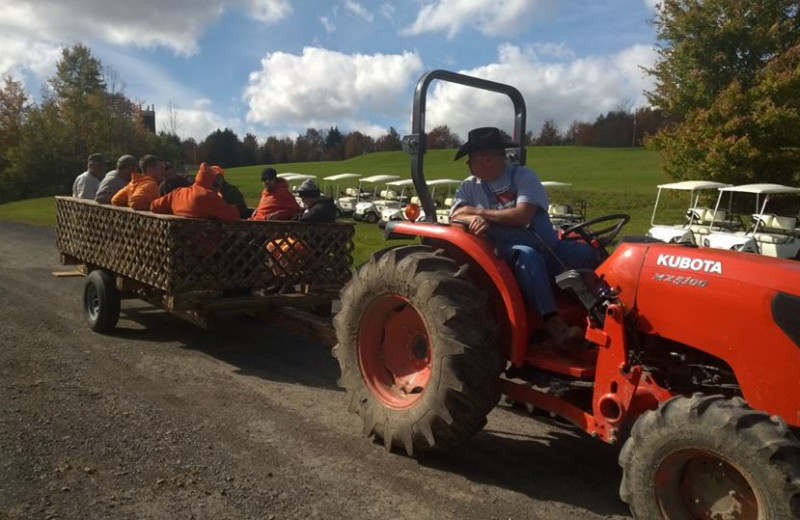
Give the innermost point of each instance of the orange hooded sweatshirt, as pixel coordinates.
(277, 203)
(138, 193)
(198, 200)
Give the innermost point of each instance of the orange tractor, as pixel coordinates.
(692, 360)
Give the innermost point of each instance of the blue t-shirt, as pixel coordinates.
(517, 185)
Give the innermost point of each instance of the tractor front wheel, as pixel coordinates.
(417, 350)
(710, 457)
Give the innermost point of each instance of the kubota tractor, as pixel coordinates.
(694, 357)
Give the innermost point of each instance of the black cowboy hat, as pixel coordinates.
(484, 138)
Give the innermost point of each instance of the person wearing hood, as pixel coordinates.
(198, 200)
(319, 209)
(277, 201)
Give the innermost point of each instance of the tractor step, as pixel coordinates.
(580, 365)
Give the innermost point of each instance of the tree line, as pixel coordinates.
(726, 106)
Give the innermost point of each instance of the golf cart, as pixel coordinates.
(698, 220)
(768, 234)
(417, 214)
(345, 201)
(393, 209)
(370, 204)
(565, 215)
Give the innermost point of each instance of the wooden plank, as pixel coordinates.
(66, 274)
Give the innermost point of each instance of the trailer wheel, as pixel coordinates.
(417, 350)
(710, 457)
(101, 301)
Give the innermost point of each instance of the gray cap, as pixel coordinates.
(127, 160)
(308, 188)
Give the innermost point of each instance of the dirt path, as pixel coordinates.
(164, 420)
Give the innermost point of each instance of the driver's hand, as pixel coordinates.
(477, 225)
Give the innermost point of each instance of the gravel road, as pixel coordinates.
(164, 420)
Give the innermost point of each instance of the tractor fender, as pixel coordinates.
(483, 256)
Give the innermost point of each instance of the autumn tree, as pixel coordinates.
(389, 142)
(728, 74)
(357, 144)
(442, 137)
(549, 135)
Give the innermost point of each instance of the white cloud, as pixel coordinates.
(327, 24)
(174, 25)
(496, 18)
(652, 4)
(18, 57)
(358, 10)
(322, 88)
(269, 10)
(196, 122)
(581, 89)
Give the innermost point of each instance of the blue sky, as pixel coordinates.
(277, 67)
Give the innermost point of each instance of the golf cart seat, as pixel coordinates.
(448, 202)
(699, 215)
(388, 194)
(559, 210)
(351, 192)
(415, 200)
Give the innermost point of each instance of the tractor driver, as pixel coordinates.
(508, 204)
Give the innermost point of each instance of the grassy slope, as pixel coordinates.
(611, 180)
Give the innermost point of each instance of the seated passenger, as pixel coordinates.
(508, 204)
(117, 179)
(143, 188)
(86, 184)
(277, 202)
(198, 200)
(319, 209)
(231, 194)
(172, 180)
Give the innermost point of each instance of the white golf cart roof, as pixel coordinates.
(693, 185)
(555, 184)
(761, 189)
(401, 182)
(296, 176)
(341, 176)
(440, 182)
(380, 178)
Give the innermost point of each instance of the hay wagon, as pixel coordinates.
(199, 269)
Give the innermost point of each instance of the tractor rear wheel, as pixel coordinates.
(710, 457)
(417, 350)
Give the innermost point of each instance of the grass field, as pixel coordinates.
(611, 180)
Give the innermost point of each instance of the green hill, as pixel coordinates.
(611, 180)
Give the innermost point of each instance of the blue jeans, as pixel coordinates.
(538, 260)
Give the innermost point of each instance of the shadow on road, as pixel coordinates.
(560, 464)
(254, 348)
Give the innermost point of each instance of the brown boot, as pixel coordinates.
(564, 337)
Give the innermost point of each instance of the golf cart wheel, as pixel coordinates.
(371, 217)
(417, 350)
(101, 302)
(710, 457)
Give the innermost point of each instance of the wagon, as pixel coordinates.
(199, 269)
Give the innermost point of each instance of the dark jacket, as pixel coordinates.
(320, 211)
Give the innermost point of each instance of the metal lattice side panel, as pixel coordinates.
(178, 254)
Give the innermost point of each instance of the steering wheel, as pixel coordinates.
(600, 238)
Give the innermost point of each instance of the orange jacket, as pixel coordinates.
(277, 204)
(198, 200)
(137, 194)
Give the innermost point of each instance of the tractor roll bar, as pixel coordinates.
(415, 143)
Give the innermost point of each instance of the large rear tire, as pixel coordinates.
(711, 457)
(417, 350)
(101, 301)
